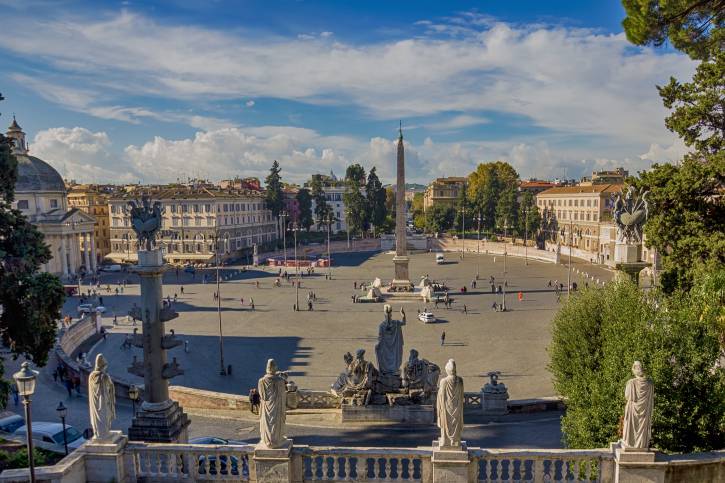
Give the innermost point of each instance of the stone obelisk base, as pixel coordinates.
(401, 282)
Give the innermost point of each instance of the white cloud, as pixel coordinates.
(568, 80)
(77, 153)
(249, 103)
(457, 122)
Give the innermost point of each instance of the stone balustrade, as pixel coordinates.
(495, 465)
(125, 461)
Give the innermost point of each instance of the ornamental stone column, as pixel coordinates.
(86, 250)
(93, 253)
(63, 256)
(159, 419)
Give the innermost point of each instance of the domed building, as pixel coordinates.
(41, 195)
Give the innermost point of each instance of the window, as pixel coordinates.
(54, 203)
(23, 204)
(207, 208)
(184, 208)
(196, 208)
(173, 208)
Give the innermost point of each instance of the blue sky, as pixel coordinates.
(155, 91)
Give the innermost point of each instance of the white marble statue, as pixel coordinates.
(101, 399)
(389, 349)
(639, 394)
(450, 407)
(272, 388)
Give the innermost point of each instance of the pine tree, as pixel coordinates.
(274, 197)
(375, 195)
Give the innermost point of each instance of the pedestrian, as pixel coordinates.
(186, 346)
(182, 290)
(558, 297)
(309, 305)
(465, 309)
(115, 319)
(354, 285)
(251, 303)
(474, 283)
(436, 303)
(100, 300)
(103, 333)
(16, 393)
(494, 307)
(443, 338)
(493, 288)
(175, 297)
(229, 370)
(500, 289)
(116, 290)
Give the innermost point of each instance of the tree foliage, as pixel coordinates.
(685, 224)
(692, 26)
(31, 301)
(492, 189)
(376, 198)
(439, 218)
(304, 202)
(274, 196)
(599, 333)
(355, 203)
(463, 209)
(698, 115)
(528, 223)
(322, 208)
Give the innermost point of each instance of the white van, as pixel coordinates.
(110, 268)
(440, 259)
(49, 436)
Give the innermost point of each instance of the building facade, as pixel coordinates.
(41, 196)
(334, 190)
(580, 217)
(93, 200)
(443, 192)
(193, 220)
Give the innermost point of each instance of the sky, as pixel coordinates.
(159, 91)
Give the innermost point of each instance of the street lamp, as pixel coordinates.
(284, 215)
(25, 379)
(133, 394)
(62, 413)
(526, 227)
(347, 227)
(505, 246)
(462, 211)
(330, 220)
(222, 370)
(478, 245)
(295, 229)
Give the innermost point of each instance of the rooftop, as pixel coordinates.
(570, 190)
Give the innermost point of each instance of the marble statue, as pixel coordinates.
(420, 375)
(272, 388)
(146, 221)
(358, 379)
(101, 399)
(639, 394)
(449, 405)
(630, 213)
(389, 349)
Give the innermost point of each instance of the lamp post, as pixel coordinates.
(133, 394)
(505, 246)
(295, 229)
(62, 413)
(526, 241)
(347, 227)
(25, 379)
(222, 370)
(284, 215)
(478, 245)
(462, 211)
(330, 220)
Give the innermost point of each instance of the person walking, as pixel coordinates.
(251, 303)
(186, 346)
(465, 309)
(182, 290)
(443, 338)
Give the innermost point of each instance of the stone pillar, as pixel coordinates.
(93, 253)
(494, 399)
(63, 256)
(86, 250)
(274, 465)
(104, 460)
(452, 464)
(160, 419)
(637, 466)
(401, 282)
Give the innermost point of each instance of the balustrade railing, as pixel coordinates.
(472, 400)
(317, 400)
(190, 462)
(545, 465)
(361, 464)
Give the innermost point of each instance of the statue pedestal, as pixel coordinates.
(401, 282)
(273, 465)
(494, 400)
(383, 413)
(637, 465)
(451, 464)
(104, 458)
(166, 425)
(627, 253)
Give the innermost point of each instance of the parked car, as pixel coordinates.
(50, 436)
(9, 421)
(440, 259)
(110, 268)
(88, 308)
(426, 317)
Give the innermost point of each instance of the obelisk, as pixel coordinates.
(401, 282)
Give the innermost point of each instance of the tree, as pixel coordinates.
(462, 208)
(698, 114)
(598, 334)
(685, 217)
(692, 26)
(318, 195)
(355, 203)
(273, 196)
(493, 190)
(304, 202)
(376, 198)
(529, 223)
(440, 218)
(31, 301)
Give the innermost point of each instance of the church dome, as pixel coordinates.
(34, 174)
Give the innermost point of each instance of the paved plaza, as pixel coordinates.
(311, 344)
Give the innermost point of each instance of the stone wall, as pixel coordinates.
(492, 248)
(71, 338)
